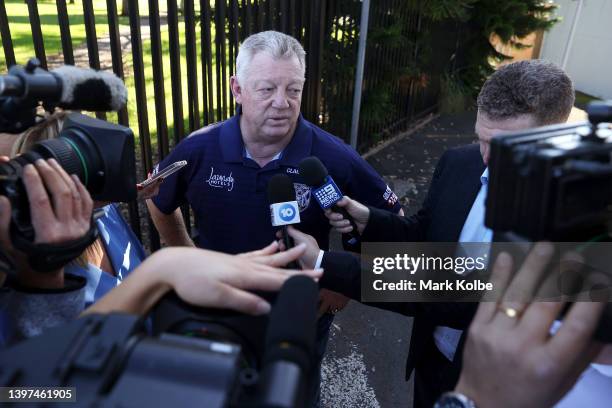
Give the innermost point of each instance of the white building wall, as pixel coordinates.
(589, 58)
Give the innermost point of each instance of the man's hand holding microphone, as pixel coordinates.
(359, 212)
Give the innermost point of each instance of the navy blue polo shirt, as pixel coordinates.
(228, 191)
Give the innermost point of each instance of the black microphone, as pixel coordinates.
(290, 343)
(325, 191)
(284, 209)
(68, 87)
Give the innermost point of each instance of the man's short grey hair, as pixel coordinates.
(278, 45)
(535, 87)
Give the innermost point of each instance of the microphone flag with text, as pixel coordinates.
(325, 191)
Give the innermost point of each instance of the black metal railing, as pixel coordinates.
(328, 29)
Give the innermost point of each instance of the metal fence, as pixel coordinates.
(202, 42)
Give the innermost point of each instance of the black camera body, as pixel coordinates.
(181, 356)
(110, 361)
(552, 183)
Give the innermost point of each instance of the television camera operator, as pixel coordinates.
(61, 212)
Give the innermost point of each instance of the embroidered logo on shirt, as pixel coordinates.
(220, 181)
(390, 197)
(302, 195)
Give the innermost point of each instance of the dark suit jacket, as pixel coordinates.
(454, 186)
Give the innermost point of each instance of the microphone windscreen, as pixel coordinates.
(280, 189)
(87, 89)
(292, 329)
(313, 171)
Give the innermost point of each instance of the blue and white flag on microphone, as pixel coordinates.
(285, 213)
(328, 194)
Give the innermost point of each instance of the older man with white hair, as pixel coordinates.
(231, 162)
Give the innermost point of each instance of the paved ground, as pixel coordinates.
(365, 362)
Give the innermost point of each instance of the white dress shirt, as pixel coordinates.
(474, 230)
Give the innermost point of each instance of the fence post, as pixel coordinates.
(363, 36)
(7, 40)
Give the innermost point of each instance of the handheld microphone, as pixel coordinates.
(290, 343)
(284, 208)
(325, 191)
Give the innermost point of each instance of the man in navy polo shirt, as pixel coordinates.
(230, 163)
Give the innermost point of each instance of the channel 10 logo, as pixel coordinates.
(285, 213)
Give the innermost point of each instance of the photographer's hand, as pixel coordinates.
(202, 278)
(510, 358)
(60, 215)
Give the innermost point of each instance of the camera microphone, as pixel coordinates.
(290, 341)
(284, 208)
(67, 87)
(325, 191)
(87, 89)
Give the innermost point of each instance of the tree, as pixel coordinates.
(511, 20)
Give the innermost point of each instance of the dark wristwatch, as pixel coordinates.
(454, 400)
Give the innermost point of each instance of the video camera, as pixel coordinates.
(554, 183)
(195, 357)
(101, 154)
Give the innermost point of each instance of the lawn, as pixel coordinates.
(22, 40)
(21, 33)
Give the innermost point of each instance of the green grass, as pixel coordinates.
(22, 41)
(21, 32)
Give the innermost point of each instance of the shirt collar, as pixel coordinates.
(484, 179)
(248, 155)
(233, 150)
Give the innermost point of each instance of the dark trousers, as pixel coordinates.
(433, 376)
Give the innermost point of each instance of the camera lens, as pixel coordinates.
(75, 152)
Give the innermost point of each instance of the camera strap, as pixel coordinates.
(50, 257)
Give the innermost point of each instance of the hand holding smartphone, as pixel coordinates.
(148, 188)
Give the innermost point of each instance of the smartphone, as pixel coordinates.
(173, 168)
